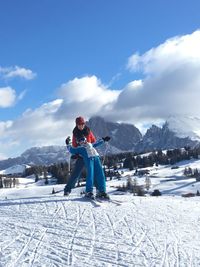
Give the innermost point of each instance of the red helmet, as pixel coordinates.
(80, 120)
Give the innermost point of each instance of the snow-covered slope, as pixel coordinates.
(41, 229)
(16, 169)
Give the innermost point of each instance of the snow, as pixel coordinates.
(185, 126)
(41, 229)
(16, 169)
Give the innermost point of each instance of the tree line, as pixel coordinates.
(58, 170)
(169, 157)
(8, 182)
(112, 163)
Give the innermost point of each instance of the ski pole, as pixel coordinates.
(69, 157)
(68, 141)
(105, 152)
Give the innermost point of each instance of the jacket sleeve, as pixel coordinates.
(98, 143)
(74, 144)
(91, 138)
(75, 150)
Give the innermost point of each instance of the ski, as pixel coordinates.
(104, 200)
(116, 202)
(94, 202)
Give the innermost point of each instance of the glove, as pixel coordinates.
(106, 138)
(68, 140)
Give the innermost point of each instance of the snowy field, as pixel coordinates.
(43, 230)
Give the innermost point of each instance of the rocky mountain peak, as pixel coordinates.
(123, 136)
(175, 133)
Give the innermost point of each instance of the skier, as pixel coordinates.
(93, 165)
(80, 130)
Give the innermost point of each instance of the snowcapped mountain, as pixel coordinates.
(186, 126)
(47, 154)
(16, 169)
(37, 156)
(177, 132)
(163, 138)
(124, 136)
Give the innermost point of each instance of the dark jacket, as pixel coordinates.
(86, 132)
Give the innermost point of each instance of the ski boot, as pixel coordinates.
(89, 195)
(102, 195)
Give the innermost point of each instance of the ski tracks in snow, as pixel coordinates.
(140, 232)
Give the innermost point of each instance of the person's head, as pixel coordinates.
(81, 140)
(80, 123)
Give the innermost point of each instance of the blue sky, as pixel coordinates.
(52, 51)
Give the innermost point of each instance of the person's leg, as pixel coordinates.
(99, 175)
(90, 175)
(76, 172)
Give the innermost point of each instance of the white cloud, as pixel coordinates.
(34, 128)
(52, 122)
(4, 126)
(2, 156)
(84, 89)
(38, 124)
(168, 56)
(86, 96)
(7, 97)
(16, 71)
(171, 85)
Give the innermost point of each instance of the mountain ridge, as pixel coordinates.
(124, 138)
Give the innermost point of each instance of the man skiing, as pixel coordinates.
(93, 165)
(80, 130)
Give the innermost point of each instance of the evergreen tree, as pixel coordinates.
(129, 184)
(156, 193)
(46, 181)
(135, 186)
(36, 178)
(1, 182)
(147, 183)
(128, 163)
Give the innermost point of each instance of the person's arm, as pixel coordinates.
(72, 150)
(74, 144)
(75, 150)
(98, 143)
(101, 141)
(91, 138)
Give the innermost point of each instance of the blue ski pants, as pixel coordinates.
(95, 170)
(75, 175)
